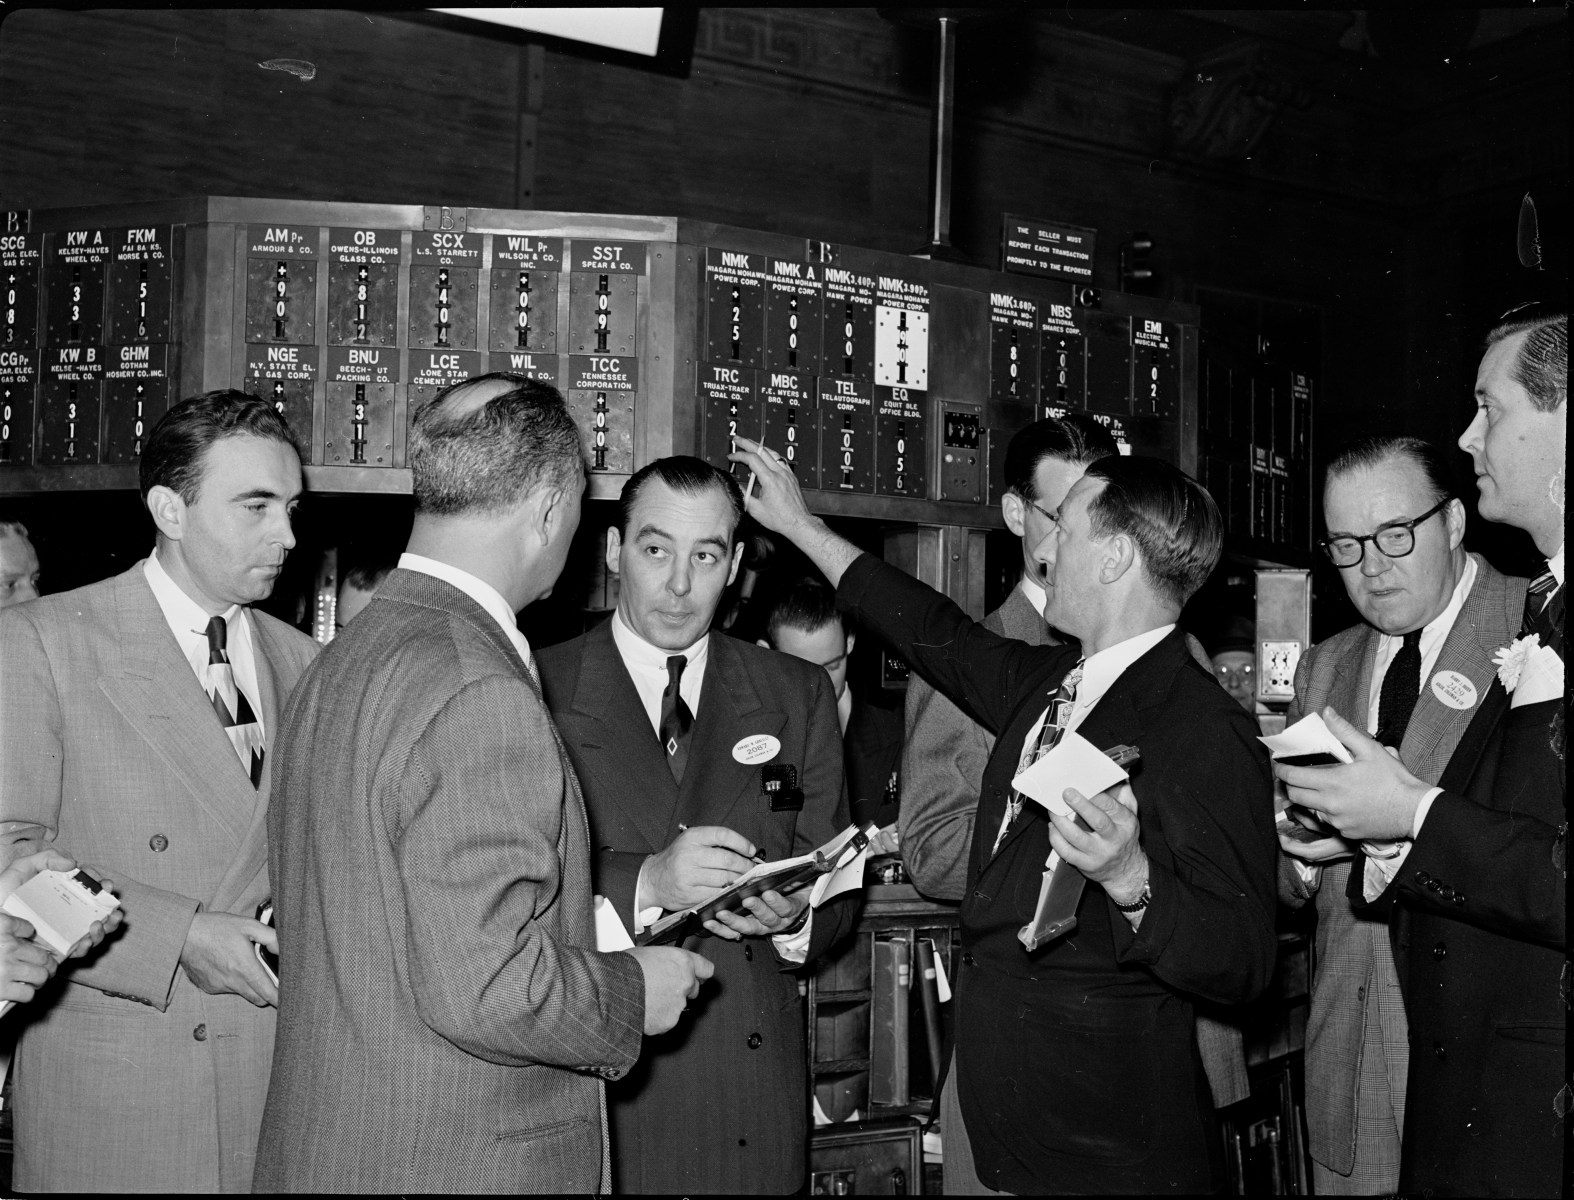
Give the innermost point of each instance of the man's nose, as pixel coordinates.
(1470, 440)
(1374, 562)
(679, 579)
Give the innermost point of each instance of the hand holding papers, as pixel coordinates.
(834, 868)
(1307, 743)
(1367, 795)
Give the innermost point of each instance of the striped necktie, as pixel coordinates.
(1049, 735)
(1537, 607)
(230, 705)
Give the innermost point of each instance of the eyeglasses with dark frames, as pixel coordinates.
(1052, 518)
(1395, 540)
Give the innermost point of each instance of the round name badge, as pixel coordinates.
(760, 748)
(1454, 690)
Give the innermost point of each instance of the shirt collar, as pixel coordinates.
(1102, 669)
(844, 708)
(1555, 565)
(479, 590)
(1036, 596)
(637, 652)
(182, 612)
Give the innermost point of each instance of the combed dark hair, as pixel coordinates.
(1542, 365)
(1363, 454)
(488, 459)
(682, 473)
(808, 605)
(1075, 437)
(1174, 522)
(172, 457)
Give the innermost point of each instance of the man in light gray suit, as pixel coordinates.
(1433, 614)
(945, 754)
(445, 1019)
(129, 741)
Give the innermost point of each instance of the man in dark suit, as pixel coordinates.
(1077, 1062)
(445, 1019)
(805, 624)
(698, 752)
(137, 719)
(1478, 894)
(1414, 672)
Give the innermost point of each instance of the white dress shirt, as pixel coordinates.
(1036, 596)
(188, 621)
(479, 590)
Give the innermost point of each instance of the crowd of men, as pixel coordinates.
(366, 888)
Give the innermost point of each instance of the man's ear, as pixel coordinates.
(1014, 511)
(168, 511)
(614, 548)
(737, 561)
(1120, 555)
(1455, 516)
(852, 640)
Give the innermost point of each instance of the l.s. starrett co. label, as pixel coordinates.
(292, 364)
(896, 292)
(21, 249)
(363, 364)
(74, 364)
(441, 368)
(526, 252)
(1015, 311)
(281, 241)
(141, 243)
(608, 258)
(374, 247)
(603, 372)
(18, 368)
(439, 249)
(138, 362)
(545, 368)
(1153, 335)
(83, 246)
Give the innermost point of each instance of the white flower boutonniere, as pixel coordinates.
(1510, 660)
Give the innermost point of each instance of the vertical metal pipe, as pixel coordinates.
(944, 120)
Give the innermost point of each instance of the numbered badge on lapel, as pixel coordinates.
(779, 782)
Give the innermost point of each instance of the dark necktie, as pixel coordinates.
(676, 719)
(1401, 686)
(1537, 608)
(230, 704)
(1049, 735)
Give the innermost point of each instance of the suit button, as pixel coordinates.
(748, 954)
(1423, 878)
(200, 1033)
(967, 958)
(1459, 898)
(1440, 951)
(1440, 1050)
(158, 843)
(612, 1073)
(754, 1041)
(1360, 993)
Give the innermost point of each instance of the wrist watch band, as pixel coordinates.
(1137, 905)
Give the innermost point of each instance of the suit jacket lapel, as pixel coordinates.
(617, 743)
(1351, 686)
(157, 693)
(730, 709)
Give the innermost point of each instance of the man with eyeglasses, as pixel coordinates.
(805, 624)
(1478, 898)
(1414, 672)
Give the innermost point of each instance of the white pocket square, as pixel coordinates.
(1541, 679)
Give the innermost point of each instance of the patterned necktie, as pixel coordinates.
(1537, 607)
(1049, 734)
(230, 704)
(676, 719)
(1401, 687)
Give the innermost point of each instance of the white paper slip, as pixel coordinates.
(844, 877)
(611, 934)
(61, 906)
(1309, 735)
(1075, 762)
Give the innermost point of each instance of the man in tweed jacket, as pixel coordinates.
(445, 1022)
(1357, 1055)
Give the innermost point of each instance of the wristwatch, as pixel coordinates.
(1137, 905)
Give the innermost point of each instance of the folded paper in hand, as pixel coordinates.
(1074, 762)
(611, 933)
(836, 867)
(1309, 735)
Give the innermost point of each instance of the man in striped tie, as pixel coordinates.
(1479, 902)
(134, 728)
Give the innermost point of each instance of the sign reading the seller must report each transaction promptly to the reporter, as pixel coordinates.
(1030, 246)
